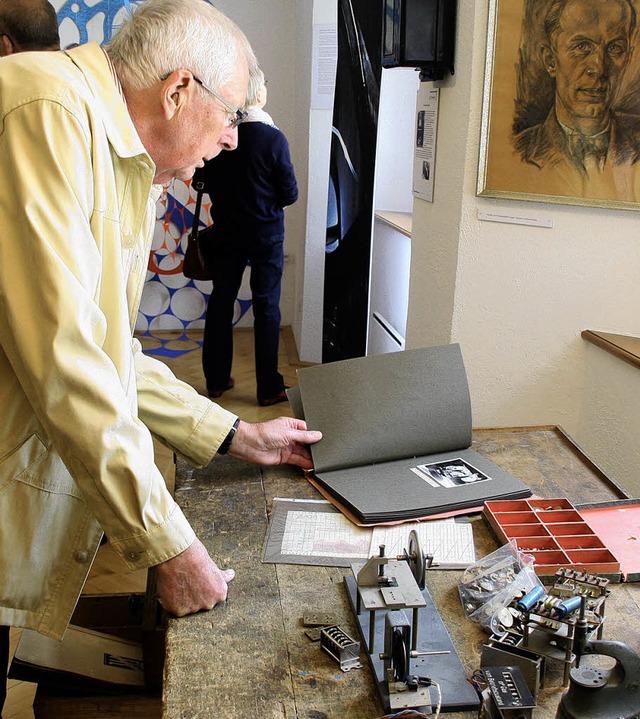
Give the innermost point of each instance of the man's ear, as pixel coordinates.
(6, 46)
(176, 92)
(548, 59)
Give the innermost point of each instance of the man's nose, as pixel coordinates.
(597, 64)
(229, 138)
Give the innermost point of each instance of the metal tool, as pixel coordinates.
(596, 693)
(381, 592)
(390, 584)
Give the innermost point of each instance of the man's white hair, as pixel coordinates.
(166, 35)
(256, 83)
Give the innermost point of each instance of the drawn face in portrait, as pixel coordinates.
(588, 53)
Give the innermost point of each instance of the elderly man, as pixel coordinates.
(84, 137)
(27, 25)
(587, 51)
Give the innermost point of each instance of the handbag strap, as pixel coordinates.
(198, 184)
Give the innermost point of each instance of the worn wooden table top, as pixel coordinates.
(250, 659)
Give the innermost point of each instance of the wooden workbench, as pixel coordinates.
(250, 658)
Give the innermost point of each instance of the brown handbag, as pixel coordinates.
(195, 265)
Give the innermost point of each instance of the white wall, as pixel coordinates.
(515, 297)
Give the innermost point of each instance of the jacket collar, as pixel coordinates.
(91, 60)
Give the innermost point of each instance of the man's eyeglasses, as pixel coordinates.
(236, 115)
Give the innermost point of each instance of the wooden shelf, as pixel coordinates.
(401, 221)
(624, 346)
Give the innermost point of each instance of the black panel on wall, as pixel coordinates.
(420, 33)
(352, 164)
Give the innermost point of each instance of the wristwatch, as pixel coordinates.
(226, 443)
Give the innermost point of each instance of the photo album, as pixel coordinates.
(397, 433)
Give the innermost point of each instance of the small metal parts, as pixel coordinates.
(339, 645)
(318, 619)
(544, 619)
(314, 621)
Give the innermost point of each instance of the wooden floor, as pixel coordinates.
(109, 574)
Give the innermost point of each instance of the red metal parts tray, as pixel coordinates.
(598, 538)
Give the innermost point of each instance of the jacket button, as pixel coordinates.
(80, 556)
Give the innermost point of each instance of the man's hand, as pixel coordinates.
(191, 581)
(280, 441)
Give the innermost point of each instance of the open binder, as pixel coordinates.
(396, 436)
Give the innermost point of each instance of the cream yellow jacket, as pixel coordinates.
(78, 399)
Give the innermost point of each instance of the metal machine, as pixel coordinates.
(596, 693)
(408, 651)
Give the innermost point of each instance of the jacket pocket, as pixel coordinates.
(20, 461)
(39, 466)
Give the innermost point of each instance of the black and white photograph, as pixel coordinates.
(453, 473)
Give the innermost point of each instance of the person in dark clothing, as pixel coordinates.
(27, 25)
(249, 189)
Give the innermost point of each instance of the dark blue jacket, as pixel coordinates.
(250, 186)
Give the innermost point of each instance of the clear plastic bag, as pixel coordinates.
(489, 586)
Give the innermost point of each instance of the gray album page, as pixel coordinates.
(385, 407)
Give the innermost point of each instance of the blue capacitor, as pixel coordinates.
(568, 606)
(528, 601)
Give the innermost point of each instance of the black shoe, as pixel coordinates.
(215, 393)
(269, 401)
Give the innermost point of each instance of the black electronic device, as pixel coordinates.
(507, 695)
(421, 34)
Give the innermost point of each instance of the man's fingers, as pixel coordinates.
(228, 575)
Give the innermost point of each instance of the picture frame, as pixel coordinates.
(525, 153)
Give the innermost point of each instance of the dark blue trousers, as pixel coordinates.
(228, 256)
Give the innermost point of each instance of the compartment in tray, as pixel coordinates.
(595, 560)
(532, 545)
(559, 516)
(576, 528)
(504, 518)
(550, 505)
(581, 541)
(546, 559)
(509, 505)
(525, 530)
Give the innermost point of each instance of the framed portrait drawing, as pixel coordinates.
(561, 106)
